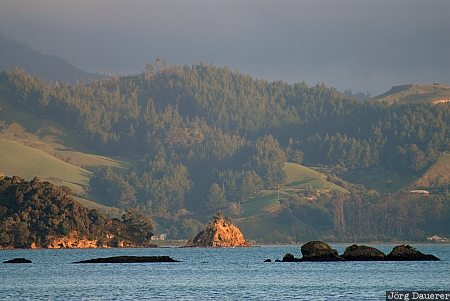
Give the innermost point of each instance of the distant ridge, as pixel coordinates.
(49, 67)
(416, 93)
(395, 89)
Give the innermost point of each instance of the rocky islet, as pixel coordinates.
(220, 232)
(18, 260)
(130, 259)
(321, 251)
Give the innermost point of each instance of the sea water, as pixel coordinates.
(214, 274)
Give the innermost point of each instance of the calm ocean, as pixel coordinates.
(214, 274)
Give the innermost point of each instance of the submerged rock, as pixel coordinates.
(221, 232)
(363, 253)
(268, 260)
(18, 260)
(408, 253)
(319, 251)
(129, 259)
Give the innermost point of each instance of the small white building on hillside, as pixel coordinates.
(437, 238)
(160, 237)
(420, 191)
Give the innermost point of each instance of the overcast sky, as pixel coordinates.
(350, 44)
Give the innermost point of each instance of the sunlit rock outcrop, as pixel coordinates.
(221, 232)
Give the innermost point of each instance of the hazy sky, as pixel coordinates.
(350, 44)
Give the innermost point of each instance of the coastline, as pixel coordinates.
(181, 244)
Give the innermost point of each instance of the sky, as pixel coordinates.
(349, 44)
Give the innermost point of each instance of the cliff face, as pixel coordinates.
(220, 232)
(75, 241)
(72, 241)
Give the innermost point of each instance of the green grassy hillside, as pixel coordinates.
(110, 211)
(438, 174)
(436, 93)
(379, 179)
(299, 179)
(27, 162)
(263, 214)
(387, 181)
(184, 148)
(50, 137)
(31, 146)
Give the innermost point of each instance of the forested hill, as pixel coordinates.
(49, 67)
(36, 214)
(205, 138)
(198, 107)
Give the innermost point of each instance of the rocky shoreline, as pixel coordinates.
(318, 251)
(313, 251)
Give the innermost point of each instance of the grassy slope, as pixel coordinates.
(298, 178)
(415, 93)
(31, 146)
(437, 174)
(379, 179)
(28, 162)
(386, 181)
(111, 211)
(260, 213)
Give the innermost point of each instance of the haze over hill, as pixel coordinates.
(348, 44)
(14, 54)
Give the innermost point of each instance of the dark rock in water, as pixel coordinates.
(268, 260)
(408, 253)
(129, 259)
(319, 251)
(363, 253)
(290, 258)
(18, 260)
(277, 260)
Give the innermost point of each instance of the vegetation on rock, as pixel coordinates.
(221, 232)
(35, 214)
